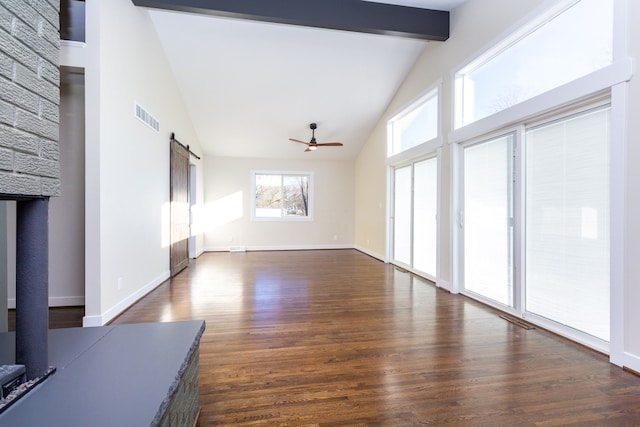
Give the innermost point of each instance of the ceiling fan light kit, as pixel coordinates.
(313, 145)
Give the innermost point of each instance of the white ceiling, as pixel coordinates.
(249, 86)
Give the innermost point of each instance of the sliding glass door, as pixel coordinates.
(556, 219)
(425, 199)
(567, 221)
(488, 219)
(415, 216)
(402, 215)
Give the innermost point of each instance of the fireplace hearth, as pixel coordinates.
(15, 384)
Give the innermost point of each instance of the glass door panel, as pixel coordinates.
(402, 215)
(425, 202)
(567, 222)
(488, 219)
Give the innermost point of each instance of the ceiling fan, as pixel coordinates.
(313, 145)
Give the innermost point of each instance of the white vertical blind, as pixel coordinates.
(567, 221)
(488, 194)
(425, 202)
(402, 215)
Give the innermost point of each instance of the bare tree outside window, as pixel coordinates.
(279, 195)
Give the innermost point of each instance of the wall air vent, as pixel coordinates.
(146, 117)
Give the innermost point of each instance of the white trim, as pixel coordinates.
(280, 248)
(71, 301)
(519, 220)
(438, 277)
(428, 93)
(310, 201)
(66, 301)
(390, 182)
(73, 54)
(455, 215)
(617, 214)
(370, 253)
(432, 91)
(414, 153)
(518, 30)
(529, 24)
(554, 99)
(443, 284)
(104, 318)
(632, 361)
(198, 253)
(568, 332)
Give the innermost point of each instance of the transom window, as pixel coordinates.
(569, 42)
(415, 125)
(282, 196)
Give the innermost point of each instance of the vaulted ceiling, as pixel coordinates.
(250, 85)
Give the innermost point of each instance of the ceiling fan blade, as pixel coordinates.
(307, 150)
(330, 144)
(297, 140)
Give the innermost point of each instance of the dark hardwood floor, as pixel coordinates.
(59, 317)
(334, 338)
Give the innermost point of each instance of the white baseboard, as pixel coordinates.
(114, 311)
(632, 361)
(370, 253)
(277, 248)
(54, 302)
(198, 253)
(443, 284)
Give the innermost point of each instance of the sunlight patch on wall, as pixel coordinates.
(223, 211)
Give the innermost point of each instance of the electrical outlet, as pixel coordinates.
(335, 237)
(119, 283)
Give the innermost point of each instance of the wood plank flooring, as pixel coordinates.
(59, 317)
(334, 338)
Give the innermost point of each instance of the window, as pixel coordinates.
(415, 125)
(564, 47)
(283, 196)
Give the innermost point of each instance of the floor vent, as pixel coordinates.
(517, 322)
(145, 117)
(237, 249)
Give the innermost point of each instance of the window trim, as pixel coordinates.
(611, 81)
(310, 206)
(425, 147)
(600, 81)
(619, 71)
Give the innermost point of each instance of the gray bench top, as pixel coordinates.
(119, 375)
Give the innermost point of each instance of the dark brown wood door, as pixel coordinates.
(179, 252)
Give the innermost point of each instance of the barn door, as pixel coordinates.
(179, 252)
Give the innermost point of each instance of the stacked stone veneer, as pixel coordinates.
(182, 408)
(29, 98)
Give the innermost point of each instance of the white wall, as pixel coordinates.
(66, 213)
(226, 217)
(127, 163)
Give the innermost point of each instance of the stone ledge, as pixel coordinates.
(113, 375)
